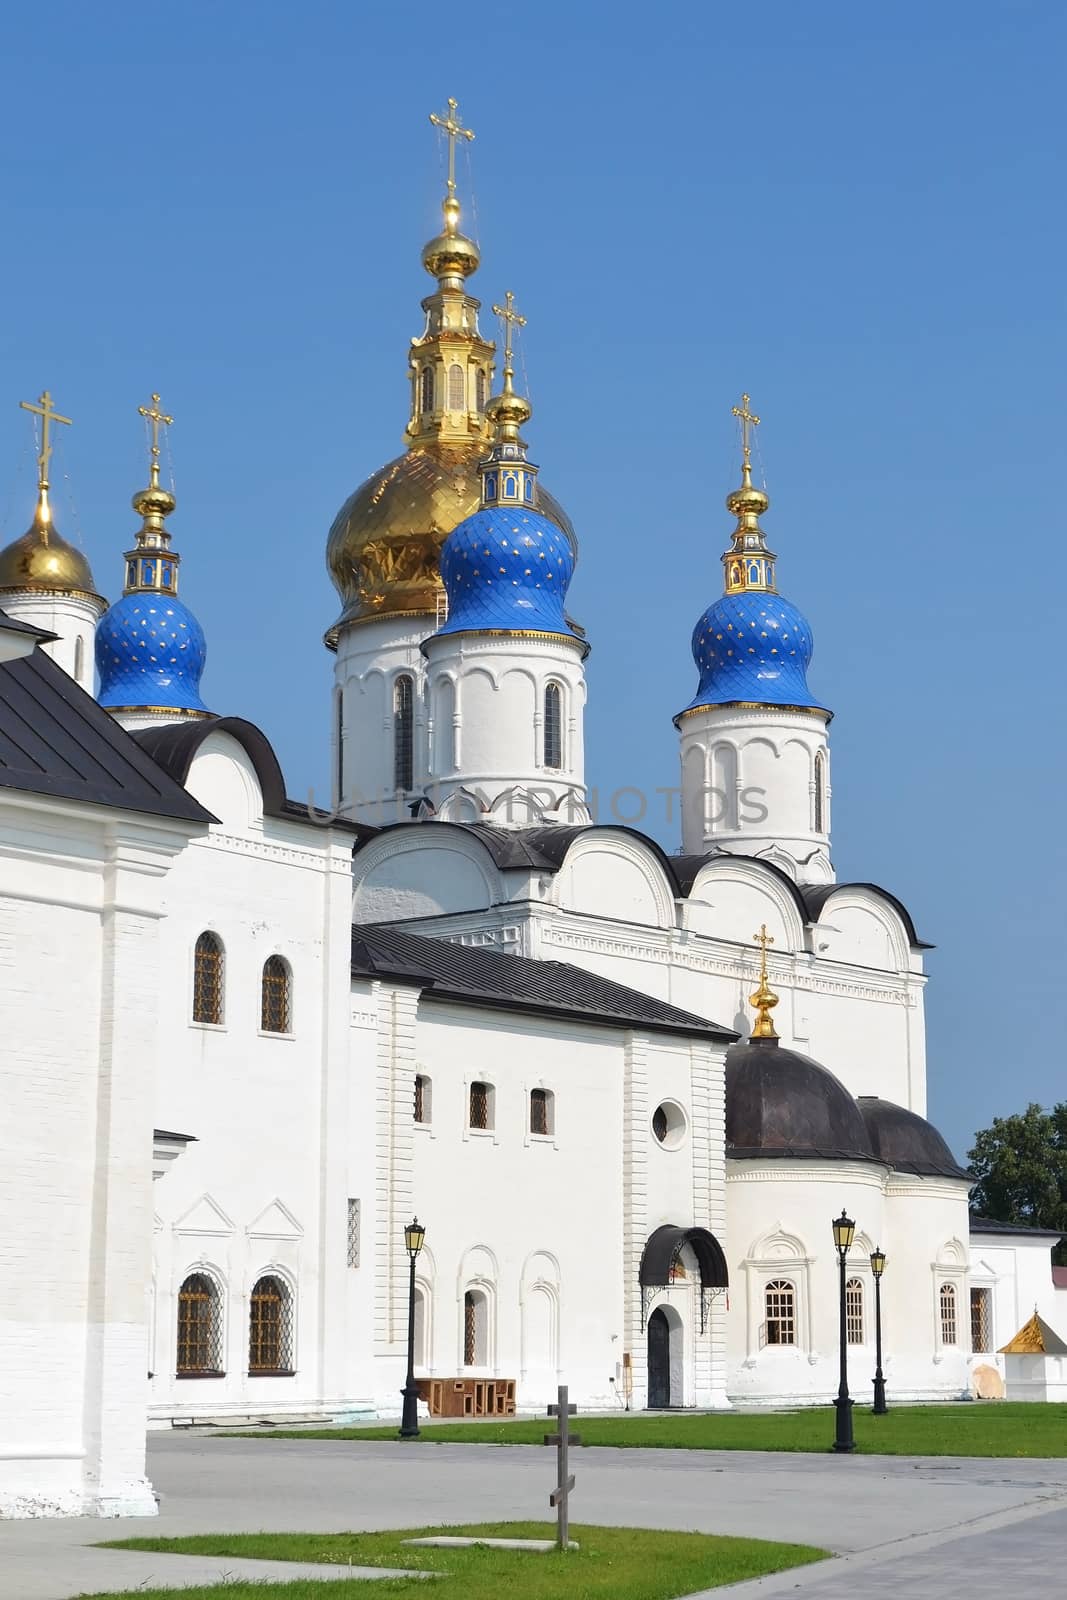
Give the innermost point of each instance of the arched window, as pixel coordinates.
(79, 658)
(208, 964)
(276, 1001)
(403, 732)
(340, 747)
(949, 1333)
(481, 1105)
(780, 1303)
(426, 389)
(854, 1311)
(199, 1327)
(457, 388)
(480, 388)
(475, 1329)
(542, 1111)
(820, 793)
(553, 726)
(420, 1321)
(270, 1329)
(422, 1097)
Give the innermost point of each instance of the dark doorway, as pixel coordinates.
(659, 1362)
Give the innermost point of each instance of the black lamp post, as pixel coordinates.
(879, 1408)
(414, 1234)
(844, 1233)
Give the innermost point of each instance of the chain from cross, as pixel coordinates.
(48, 414)
(748, 420)
(454, 128)
(157, 419)
(511, 320)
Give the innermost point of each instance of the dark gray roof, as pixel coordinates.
(164, 1136)
(497, 979)
(55, 740)
(907, 1142)
(783, 1105)
(1026, 1229)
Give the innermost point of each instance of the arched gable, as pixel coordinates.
(618, 874)
(731, 896)
(862, 926)
(423, 869)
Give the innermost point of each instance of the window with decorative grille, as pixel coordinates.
(353, 1233)
(457, 388)
(553, 727)
(403, 732)
(479, 1105)
(854, 1311)
(949, 1333)
(207, 979)
(199, 1328)
(276, 998)
(981, 1320)
(470, 1329)
(780, 1304)
(426, 397)
(270, 1328)
(540, 1121)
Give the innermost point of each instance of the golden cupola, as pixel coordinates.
(383, 548)
(42, 561)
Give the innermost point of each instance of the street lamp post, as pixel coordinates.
(879, 1408)
(844, 1233)
(414, 1235)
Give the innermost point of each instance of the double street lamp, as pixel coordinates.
(414, 1237)
(844, 1233)
(879, 1408)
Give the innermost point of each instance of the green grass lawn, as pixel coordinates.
(612, 1564)
(975, 1429)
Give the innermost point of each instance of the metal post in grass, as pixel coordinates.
(562, 1439)
(414, 1235)
(844, 1233)
(879, 1408)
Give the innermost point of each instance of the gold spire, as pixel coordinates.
(48, 414)
(748, 563)
(764, 999)
(507, 411)
(152, 565)
(451, 257)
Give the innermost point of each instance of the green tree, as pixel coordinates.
(1021, 1167)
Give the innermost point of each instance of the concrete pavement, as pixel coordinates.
(909, 1526)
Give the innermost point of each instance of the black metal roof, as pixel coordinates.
(907, 1142)
(780, 1103)
(495, 978)
(55, 740)
(174, 746)
(1026, 1229)
(661, 1251)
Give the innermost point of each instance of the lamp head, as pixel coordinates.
(844, 1232)
(414, 1237)
(877, 1262)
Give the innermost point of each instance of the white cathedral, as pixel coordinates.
(245, 1042)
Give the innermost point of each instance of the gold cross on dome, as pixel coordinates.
(157, 419)
(748, 420)
(511, 319)
(48, 414)
(454, 128)
(762, 938)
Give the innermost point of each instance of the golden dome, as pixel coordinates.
(383, 548)
(42, 561)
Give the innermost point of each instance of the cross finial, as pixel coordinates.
(748, 420)
(511, 320)
(157, 419)
(48, 414)
(454, 129)
(764, 998)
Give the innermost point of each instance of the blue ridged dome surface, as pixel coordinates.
(150, 651)
(508, 569)
(753, 647)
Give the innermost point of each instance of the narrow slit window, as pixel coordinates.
(553, 727)
(540, 1109)
(426, 390)
(480, 1109)
(353, 1233)
(457, 388)
(480, 388)
(422, 1098)
(403, 732)
(981, 1320)
(276, 999)
(820, 793)
(207, 979)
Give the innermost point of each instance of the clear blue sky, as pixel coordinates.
(853, 211)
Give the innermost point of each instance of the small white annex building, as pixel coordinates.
(453, 996)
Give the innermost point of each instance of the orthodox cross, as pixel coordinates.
(762, 938)
(764, 998)
(748, 419)
(562, 1439)
(157, 419)
(454, 128)
(511, 319)
(45, 410)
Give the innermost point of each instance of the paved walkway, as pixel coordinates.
(907, 1526)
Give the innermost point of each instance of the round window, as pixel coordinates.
(668, 1124)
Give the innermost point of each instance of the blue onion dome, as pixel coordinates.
(752, 646)
(150, 649)
(507, 567)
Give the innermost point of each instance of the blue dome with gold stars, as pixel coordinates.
(508, 569)
(755, 647)
(150, 652)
